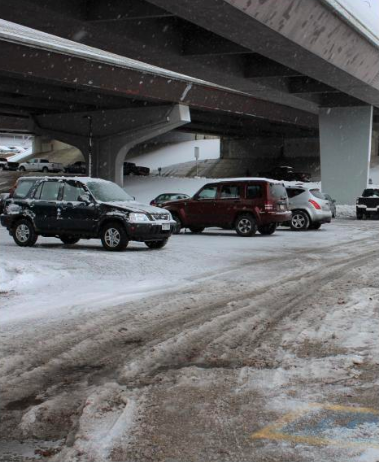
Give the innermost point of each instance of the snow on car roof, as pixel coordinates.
(225, 180)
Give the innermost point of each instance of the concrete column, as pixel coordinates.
(109, 152)
(345, 146)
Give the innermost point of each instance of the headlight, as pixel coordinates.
(138, 217)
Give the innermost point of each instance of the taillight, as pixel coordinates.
(269, 206)
(316, 205)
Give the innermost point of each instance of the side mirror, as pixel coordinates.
(85, 198)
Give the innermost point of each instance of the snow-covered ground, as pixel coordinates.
(215, 348)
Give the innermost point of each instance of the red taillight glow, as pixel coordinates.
(315, 204)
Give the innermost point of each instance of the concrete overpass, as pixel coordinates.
(296, 62)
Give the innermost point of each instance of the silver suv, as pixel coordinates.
(309, 208)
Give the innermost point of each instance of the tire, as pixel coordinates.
(315, 226)
(156, 244)
(267, 230)
(23, 233)
(359, 215)
(245, 226)
(196, 230)
(22, 169)
(68, 240)
(114, 237)
(300, 221)
(179, 225)
(45, 170)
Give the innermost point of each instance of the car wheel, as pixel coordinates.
(300, 221)
(359, 215)
(315, 226)
(196, 229)
(267, 230)
(22, 169)
(114, 237)
(245, 226)
(156, 244)
(45, 169)
(68, 240)
(23, 234)
(178, 224)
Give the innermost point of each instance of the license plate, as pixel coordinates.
(166, 227)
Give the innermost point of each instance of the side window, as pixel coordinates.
(230, 192)
(291, 192)
(50, 191)
(72, 191)
(208, 192)
(254, 191)
(22, 189)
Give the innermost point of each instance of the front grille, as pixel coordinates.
(160, 216)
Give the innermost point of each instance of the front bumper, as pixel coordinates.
(152, 231)
(363, 209)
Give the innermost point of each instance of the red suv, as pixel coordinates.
(247, 205)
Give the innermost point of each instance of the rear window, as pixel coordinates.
(317, 193)
(23, 188)
(278, 191)
(293, 192)
(371, 193)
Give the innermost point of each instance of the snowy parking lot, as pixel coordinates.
(214, 348)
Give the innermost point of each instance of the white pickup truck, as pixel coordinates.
(40, 165)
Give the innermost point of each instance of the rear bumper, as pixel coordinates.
(321, 217)
(274, 217)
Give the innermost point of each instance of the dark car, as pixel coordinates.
(247, 205)
(286, 173)
(3, 198)
(367, 205)
(3, 162)
(13, 166)
(130, 168)
(168, 197)
(82, 208)
(76, 167)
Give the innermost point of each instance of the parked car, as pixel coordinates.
(130, 168)
(246, 205)
(332, 205)
(3, 163)
(167, 197)
(309, 208)
(12, 166)
(286, 173)
(76, 167)
(367, 205)
(82, 208)
(40, 165)
(3, 198)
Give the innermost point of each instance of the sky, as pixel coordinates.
(366, 11)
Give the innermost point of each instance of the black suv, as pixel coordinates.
(82, 208)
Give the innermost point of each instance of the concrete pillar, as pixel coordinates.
(41, 144)
(345, 147)
(109, 152)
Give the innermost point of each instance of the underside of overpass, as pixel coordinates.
(287, 61)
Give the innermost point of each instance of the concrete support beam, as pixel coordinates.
(345, 142)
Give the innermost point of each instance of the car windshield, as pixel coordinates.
(371, 193)
(105, 191)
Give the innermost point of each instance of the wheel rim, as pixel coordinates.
(23, 233)
(298, 221)
(112, 237)
(245, 226)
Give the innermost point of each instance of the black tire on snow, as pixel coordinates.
(156, 244)
(113, 237)
(23, 233)
(267, 230)
(245, 226)
(68, 240)
(300, 221)
(196, 229)
(178, 227)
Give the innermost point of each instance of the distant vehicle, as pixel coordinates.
(286, 173)
(9, 150)
(76, 167)
(3, 162)
(40, 165)
(332, 205)
(309, 207)
(13, 166)
(82, 208)
(367, 205)
(3, 198)
(130, 168)
(167, 197)
(246, 205)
